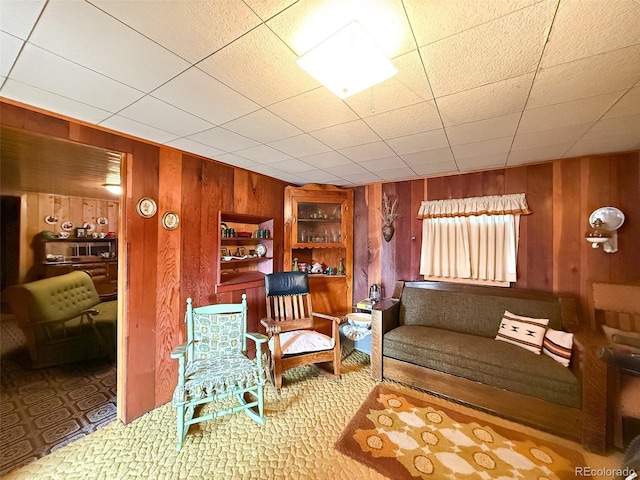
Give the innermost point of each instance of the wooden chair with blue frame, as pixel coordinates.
(213, 365)
(293, 340)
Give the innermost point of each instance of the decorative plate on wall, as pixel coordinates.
(90, 227)
(103, 221)
(51, 219)
(146, 207)
(261, 250)
(170, 220)
(67, 226)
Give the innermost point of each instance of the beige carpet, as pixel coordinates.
(296, 442)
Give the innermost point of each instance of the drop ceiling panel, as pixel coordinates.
(265, 10)
(489, 101)
(558, 136)
(369, 151)
(435, 20)
(292, 165)
(366, 177)
(438, 155)
(435, 169)
(319, 175)
(300, 145)
(17, 17)
(419, 142)
(189, 145)
(249, 64)
(537, 154)
(313, 110)
(629, 104)
(27, 94)
(590, 145)
(137, 129)
(107, 46)
(567, 113)
(54, 74)
(483, 162)
(582, 29)
(185, 28)
(237, 160)
(326, 159)
(587, 77)
(477, 149)
(480, 55)
(614, 126)
(10, 47)
(203, 96)
(400, 173)
(161, 115)
(223, 139)
(421, 117)
(346, 134)
(263, 154)
(483, 129)
(263, 126)
(382, 164)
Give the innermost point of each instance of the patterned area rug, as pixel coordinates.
(403, 436)
(45, 409)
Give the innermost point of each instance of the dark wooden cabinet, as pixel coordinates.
(96, 256)
(318, 230)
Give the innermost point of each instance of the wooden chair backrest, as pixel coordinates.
(290, 307)
(616, 306)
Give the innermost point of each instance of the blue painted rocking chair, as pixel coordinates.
(214, 365)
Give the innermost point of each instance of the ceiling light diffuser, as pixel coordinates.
(348, 62)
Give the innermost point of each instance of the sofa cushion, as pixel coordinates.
(469, 312)
(484, 360)
(558, 345)
(523, 332)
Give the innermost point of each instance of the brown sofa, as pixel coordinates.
(64, 319)
(440, 337)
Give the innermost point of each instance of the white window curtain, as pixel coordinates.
(472, 239)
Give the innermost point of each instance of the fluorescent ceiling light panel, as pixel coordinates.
(348, 62)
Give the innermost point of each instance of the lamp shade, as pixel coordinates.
(348, 62)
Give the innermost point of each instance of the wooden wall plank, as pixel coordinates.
(360, 243)
(493, 182)
(415, 234)
(539, 246)
(374, 260)
(168, 304)
(567, 227)
(142, 242)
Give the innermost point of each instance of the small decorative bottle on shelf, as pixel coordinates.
(295, 265)
(340, 268)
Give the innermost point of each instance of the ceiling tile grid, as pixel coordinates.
(480, 85)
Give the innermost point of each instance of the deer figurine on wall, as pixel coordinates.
(389, 213)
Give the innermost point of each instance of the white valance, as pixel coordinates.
(514, 204)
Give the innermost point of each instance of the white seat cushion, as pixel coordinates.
(301, 341)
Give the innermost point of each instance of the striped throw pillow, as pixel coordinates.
(558, 345)
(525, 332)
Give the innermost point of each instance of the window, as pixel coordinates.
(474, 240)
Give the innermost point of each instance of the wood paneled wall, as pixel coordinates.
(160, 268)
(552, 256)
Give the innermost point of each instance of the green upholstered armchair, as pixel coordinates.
(64, 319)
(214, 366)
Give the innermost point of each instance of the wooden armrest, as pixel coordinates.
(180, 351)
(257, 337)
(274, 327)
(332, 318)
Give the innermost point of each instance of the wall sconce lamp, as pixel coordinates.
(604, 223)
